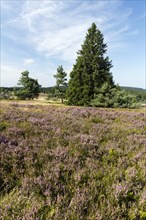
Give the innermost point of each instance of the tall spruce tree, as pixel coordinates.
(91, 69)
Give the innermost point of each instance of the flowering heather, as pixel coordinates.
(72, 163)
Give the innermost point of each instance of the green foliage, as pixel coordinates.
(30, 87)
(3, 126)
(124, 100)
(97, 120)
(142, 215)
(60, 82)
(108, 96)
(5, 94)
(91, 70)
(139, 93)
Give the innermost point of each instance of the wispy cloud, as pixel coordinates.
(9, 75)
(57, 28)
(5, 6)
(52, 31)
(28, 61)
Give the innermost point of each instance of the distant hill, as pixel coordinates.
(122, 87)
(132, 88)
(52, 87)
(140, 93)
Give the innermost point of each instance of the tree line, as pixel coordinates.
(91, 82)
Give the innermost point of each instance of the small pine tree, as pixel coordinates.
(91, 70)
(109, 96)
(30, 87)
(61, 81)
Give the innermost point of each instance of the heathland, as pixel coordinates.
(62, 162)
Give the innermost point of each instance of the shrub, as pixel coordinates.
(72, 163)
(108, 96)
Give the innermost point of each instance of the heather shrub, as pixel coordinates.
(72, 163)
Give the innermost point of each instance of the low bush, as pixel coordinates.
(113, 97)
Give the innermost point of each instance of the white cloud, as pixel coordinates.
(5, 6)
(62, 42)
(9, 75)
(28, 61)
(55, 30)
(115, 35)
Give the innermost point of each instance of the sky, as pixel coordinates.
(40, 35)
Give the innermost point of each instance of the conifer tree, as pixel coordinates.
(30, 87)
(61, 81)
(91, 69)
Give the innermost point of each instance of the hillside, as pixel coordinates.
(133, 88)
(71, 163)
(52, 87)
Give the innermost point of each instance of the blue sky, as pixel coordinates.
(40, 35)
